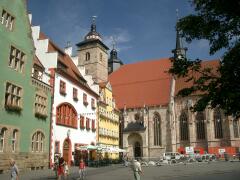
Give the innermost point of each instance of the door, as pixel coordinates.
(66, 150)
(137, 150)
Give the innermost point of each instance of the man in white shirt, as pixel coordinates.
(137, 170)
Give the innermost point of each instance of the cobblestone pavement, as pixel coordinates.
(194, 171)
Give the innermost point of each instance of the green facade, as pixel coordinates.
(25, 121)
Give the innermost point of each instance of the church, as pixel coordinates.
(154, 119)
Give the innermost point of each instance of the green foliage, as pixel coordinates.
(219, 23)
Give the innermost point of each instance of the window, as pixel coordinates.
(62, 89)
(101, 56)
(13, 97)
(16, 59)
(236, 128)
(93, 103)
(184, 127)
(14, 140)
(85, 99)
(87, 56)
(93, 125)
(66, 115)
(200, 125)
(40, 106)
(157, 130)
(218, 124)
(75, 94)
(57, 147)
(82, 124)
(7, 20)
(87, 123)
(37, 142)
(2, 139)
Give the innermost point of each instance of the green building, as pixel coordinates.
(25, 95)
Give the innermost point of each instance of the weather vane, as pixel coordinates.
(94, 19)
(113, 42)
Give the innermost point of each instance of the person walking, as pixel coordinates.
(137, 170)
(14, 170)
(61, 168)
(82, 169)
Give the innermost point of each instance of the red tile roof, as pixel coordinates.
(181, 82)
(145, 82)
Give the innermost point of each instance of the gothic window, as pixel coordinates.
(87, 58)
(14, 140)
(200, 125)
(2, 139)
(218, 124)
(184, 127)
(66, 115)
(157, 130)
(236, 128)
(101, 56)
(37, 142)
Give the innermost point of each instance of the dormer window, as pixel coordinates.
(87, 56)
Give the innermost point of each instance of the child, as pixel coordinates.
(82, 169)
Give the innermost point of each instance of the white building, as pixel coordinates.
(74, 103)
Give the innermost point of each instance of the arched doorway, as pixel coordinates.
(67, 151)
(135, 145)
(137, 150)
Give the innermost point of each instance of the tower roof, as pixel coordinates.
(93, 34)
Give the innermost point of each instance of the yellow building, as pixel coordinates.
(108, 123)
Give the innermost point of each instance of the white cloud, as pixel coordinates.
(121, 38)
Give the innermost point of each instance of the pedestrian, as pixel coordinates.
(82, 169)
(61, 168)
(137, 170)
(66, 170)
(14, 170)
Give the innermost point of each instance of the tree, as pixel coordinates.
(217, 21)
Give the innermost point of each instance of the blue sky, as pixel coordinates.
(143, 29)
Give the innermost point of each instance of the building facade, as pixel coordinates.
(142, 92)
(26, 94)
(108, 124)
(73, 122)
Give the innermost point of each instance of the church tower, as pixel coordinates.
(114, 62)
(92, 54)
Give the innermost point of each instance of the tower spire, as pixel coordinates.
(179, 51)
(93, 26)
